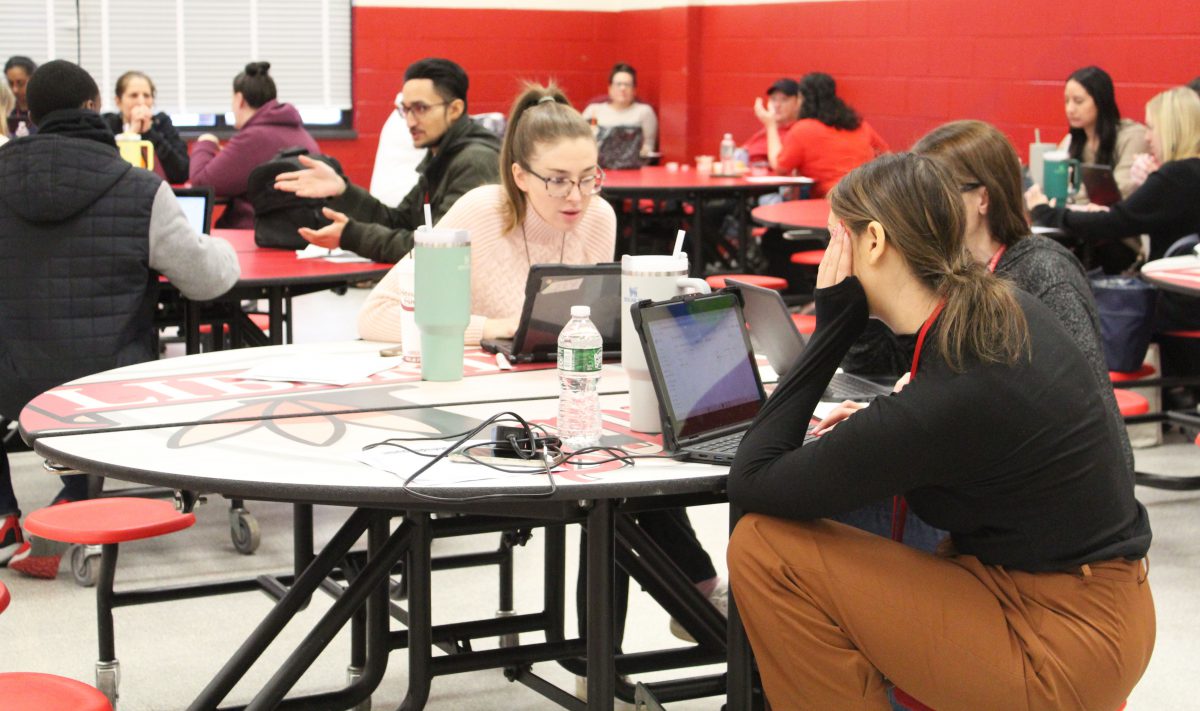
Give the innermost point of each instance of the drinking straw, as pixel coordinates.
(678, 244)
(428, 216)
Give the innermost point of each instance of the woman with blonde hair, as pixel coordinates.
(1001, 437)
(7, 102)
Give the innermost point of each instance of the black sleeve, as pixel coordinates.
(923, 435)
(1160, 205)
(170, 149)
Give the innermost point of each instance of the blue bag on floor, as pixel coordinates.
(1126, 306)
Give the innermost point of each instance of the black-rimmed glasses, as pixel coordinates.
(418, 109)
(561, 186)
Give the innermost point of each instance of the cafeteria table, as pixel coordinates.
(659, 183)
(276, 275)
(193, 424)
(793, 214)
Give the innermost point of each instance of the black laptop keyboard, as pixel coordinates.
(724, 445)
(841, 388)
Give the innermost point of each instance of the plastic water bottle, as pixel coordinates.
(728, 163)
(580, 354)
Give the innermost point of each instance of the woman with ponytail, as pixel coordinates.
(543, 212)
(264, 127)
(1040, 599)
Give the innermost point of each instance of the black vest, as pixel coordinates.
(77, 295)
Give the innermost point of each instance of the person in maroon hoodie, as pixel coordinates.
(265, 127)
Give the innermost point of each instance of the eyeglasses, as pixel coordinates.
(622, 85)
(968, 187)
(418, 109)
(560, 187)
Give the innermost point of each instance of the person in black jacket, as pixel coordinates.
(135, 101)
(1001, 437)
(462, 156)
(83, 238)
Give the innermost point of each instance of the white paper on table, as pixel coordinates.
(778, 179)
(326, 369)
(338, 254)
(447, 472)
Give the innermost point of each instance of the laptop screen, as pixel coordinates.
(553, 289)
(698, 351)
(197, 207)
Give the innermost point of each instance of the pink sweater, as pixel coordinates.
(499, 265)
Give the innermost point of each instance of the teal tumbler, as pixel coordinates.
(443, 300)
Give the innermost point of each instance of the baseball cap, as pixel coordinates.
(788, 86)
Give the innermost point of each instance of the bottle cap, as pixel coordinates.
(581, 311)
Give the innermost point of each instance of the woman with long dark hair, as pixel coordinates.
(828, 141)
(1041, 599)
(1097, 133)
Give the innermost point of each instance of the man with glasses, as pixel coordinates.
(781, 111)
(462, 156)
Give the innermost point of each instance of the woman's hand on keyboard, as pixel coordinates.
(836, 415)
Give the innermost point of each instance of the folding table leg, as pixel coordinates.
(601, 667)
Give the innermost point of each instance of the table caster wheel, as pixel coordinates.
(108, 679)
(85, 564)
(244, 530)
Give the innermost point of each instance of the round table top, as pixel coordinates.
(652, 179)
(1178, 274)
(193, 423)
(793, 214)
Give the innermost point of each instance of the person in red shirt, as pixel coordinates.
(783, 104)
(828, 141)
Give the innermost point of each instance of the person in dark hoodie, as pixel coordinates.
(265, 127)
(462, 156)
(83, 238)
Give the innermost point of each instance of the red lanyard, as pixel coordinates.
(996, 258)
(899, 503)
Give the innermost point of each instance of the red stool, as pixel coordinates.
(107, 523)
(30, 691)
(808, 257)
(907, 701)
(1130, 403)
(805, 323)
(766, 281)
(1146, 371)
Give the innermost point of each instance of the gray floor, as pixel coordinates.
(169, 650)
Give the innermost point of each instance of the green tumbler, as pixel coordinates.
(443, 300)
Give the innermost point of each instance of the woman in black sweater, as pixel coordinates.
(1001, 438)
(135, 99)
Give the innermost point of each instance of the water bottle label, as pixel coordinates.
(580, 360)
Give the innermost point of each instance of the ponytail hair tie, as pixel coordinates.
(547, 99)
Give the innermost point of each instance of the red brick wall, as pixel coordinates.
(907, 65)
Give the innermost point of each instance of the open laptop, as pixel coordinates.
(197, 204)
(774, 334)
(550, 292)
(704, 372)
(1101, 185)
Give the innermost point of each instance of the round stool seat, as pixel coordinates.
(1182, 334)
(766, 281)
(100, 521)
(1146, 371)
(805, 323)
(5, 597)
(808, 258)
(29, 691)
(1130, 403)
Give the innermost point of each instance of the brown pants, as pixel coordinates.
(835, 615)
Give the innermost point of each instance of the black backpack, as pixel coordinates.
(277, 215)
